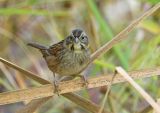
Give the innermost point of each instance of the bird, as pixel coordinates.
(68, 57)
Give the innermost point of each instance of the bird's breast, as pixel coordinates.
(71, 63)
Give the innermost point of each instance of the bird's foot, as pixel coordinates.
(84, 80)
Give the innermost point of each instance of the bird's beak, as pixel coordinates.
(77, 44)
(76, 40)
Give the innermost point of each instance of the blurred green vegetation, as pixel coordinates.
(49, 21)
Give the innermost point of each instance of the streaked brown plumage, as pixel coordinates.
(69, 56)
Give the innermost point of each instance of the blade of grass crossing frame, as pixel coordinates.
(107, 31)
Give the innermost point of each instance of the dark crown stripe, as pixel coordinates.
(77, 32)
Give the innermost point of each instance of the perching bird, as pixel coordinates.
(69, 56)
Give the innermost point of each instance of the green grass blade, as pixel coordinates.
(107, 32)
(15, 11)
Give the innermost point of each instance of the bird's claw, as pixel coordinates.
(85, 81)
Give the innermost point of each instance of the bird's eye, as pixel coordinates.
(84, 40)
(82, 37)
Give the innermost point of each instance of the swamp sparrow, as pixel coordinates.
(69, 56)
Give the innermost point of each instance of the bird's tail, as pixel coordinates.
(43, 49)
(38, 46)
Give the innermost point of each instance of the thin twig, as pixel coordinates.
(145, 95)
(82, 102)
(33, 105)
(107, 93)
(88, 105)
(117, 39)
(25, 72)
(8, 76)
(37, 103)
(158, 102)
(74, 85)
(122, 35)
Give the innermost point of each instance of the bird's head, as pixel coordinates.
(77, 41)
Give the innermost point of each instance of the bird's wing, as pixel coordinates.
(52, 59)
(55, 48)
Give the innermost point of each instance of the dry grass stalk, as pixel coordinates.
(8, 75)
(145, 95)
(106, 95)
(74, 85)
(82, 102)
(33, 105)
(88, 105)
(158, 102)
(122, 35)
(37, 103)
(25, 72)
